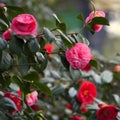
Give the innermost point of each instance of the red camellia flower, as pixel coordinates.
(87, 68)
(49, 49)
(87, 92)
(15, 99)
(83, 108)
(76, 117)
(92, 15)
(107, 112)
(79, 56)
(6, 35)
(24, 24)
(35, 107)
(69, 106)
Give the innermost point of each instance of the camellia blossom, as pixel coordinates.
(31, 98)
(117, 68)
(76, 117)
(16, 100)
(87, 92)
(7, 35)
(49, 49)
(93, 14)
(107, 112)
(2, 5)
(24, 24)
(69, 106)
(78, 56)
(83, 108)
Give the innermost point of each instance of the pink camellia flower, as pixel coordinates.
(2, 5)
(76, 117)
(79, 56)
(31, 98)
(87, 92)
(6, 35)
(24, 24)
(107, 112)
(93, 14)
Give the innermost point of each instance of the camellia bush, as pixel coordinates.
(54, 75)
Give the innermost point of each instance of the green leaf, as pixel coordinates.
(48, 34)
(65, 39)
(40, 57)
(13, 11)
(117, 99)
(23, 64)
(60, 44)
(3, 116)
(3, 25)
(3, 44)
(106, 76)
(16, 45)
(57, 90)
(57, 20)
(32, 76)
(60, 25)
(100, 20)
(64, 61)
(3, 17)
(42, 87)
(80, 17)
(16, 8)
(75, 104)
(19, 82)
(42, 42)
(5, 61)
(82, 39)
(75, 74)
(42, 62)
(9, 103)
(33, 45)
(94, 64)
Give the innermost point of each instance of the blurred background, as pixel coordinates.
(106, 42)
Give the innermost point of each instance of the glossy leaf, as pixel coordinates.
(48, 34)
(32, 76)
(33, 45)
(65, 39)
(3, 25)
(9, 103)
(57, 90)
(3, 44)
(100, 20)
(5, 61)
(4, 18)
(60, 25)
(94, 64)
(42, 87)
(82, 39)
(80, 17)
(23, 64)
(19, 82)
(75, 74)
(16, 45)
(64, 62)
(107, 76)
